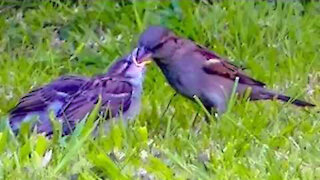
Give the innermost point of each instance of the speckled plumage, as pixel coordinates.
(71, 98)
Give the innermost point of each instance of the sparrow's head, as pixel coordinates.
(157, 42)
(128, 66)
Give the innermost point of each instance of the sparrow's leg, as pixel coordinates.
(168, 105)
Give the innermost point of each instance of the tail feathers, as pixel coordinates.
(284, 98)
(296, 102)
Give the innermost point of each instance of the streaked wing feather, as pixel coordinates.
(40, 98)
(217, 65)
(115, 93)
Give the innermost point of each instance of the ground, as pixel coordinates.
(277, 43)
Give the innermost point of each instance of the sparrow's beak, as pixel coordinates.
(141, 56)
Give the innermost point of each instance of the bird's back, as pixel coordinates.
(38, 102)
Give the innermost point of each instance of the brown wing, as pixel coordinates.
(217, 65)
(115, 93)
(38, 102)
(39, 99)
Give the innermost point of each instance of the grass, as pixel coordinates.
(278, 43)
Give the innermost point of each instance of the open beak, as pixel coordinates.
(141, 56)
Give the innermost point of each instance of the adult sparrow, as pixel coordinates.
(193, 70)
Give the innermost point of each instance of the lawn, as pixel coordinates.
(277, 43)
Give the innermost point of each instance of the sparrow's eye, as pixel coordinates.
(126, 66)
(158, 46)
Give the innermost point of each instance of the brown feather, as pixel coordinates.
(217, 65)
(115, 94)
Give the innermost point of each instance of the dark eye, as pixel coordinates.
(165, 41)
(126, 66)
(176, 40)
(158, 46)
